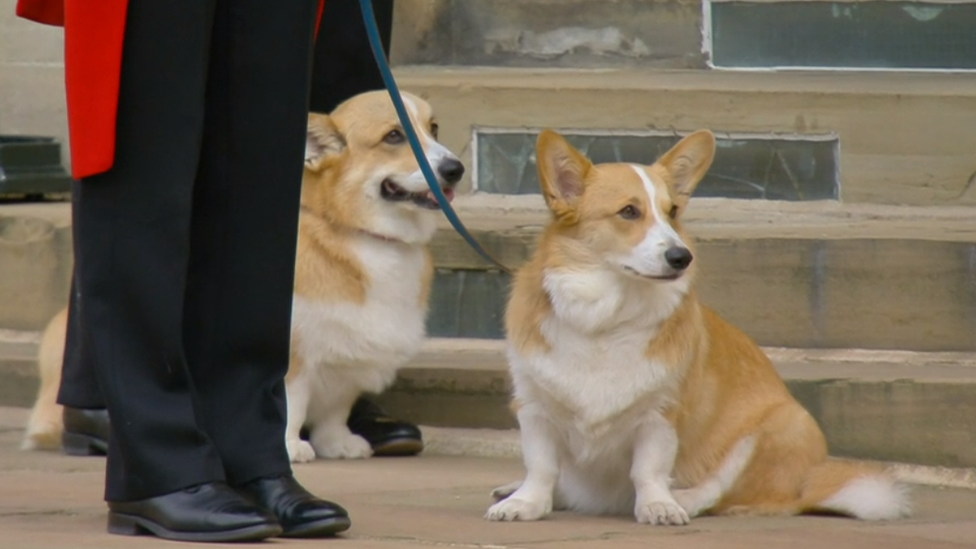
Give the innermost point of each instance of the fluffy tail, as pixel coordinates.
(45, 424)
(855, 490)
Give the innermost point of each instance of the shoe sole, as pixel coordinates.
(77, 444)
(131, 525)
(398, 448)
(318, 529)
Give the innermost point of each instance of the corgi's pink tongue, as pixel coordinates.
(448, 194)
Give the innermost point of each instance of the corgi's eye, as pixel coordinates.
(673, 213)
(434, 129)
(395, 137)
(629, 212)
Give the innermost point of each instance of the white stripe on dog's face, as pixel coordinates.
(434, 151)
(647, 258)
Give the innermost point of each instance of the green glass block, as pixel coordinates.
(469, 304)
(744, 167)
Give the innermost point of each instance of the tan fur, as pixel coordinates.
(719, 390)
(45, 424)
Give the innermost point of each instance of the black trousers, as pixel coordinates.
(185, 249)
(343, 66)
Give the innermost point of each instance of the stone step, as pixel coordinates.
(790, 274)
(885, 405)
(870, 137)
(896, 406)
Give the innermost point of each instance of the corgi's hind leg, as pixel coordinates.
(788, 444)
(706, 495)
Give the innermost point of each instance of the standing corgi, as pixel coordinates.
(633, 397)
(363, 269)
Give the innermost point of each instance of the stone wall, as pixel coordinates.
(31, 78)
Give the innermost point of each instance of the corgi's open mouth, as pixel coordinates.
(673, 276)
(425, 199)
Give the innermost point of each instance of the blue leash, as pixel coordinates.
(366, 6)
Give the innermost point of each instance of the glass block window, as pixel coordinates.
(745, 166)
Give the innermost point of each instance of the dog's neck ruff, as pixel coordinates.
(364, 232)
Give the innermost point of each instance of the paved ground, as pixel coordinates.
(52, 501)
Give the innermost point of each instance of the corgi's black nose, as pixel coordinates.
(678, 258)
(451, 170)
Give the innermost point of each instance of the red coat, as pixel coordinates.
(93, 31)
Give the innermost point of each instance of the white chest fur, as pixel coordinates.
(596, 367)
(378, 335)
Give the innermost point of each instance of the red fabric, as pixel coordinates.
(93, 33)
(48, 12)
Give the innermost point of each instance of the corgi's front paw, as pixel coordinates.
(661, 512)
(300, 451)
(518, 509)
(342, 447)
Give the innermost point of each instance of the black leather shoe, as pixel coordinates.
(206, 512)
(300, 514)
(86, 432)
(387, 436)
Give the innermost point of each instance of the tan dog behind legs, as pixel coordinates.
(362, 274)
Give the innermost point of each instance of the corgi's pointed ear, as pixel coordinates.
(562, 170)
(687, 162)
(322, 139)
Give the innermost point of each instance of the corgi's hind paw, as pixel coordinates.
(503, 492)
(518, 509)
(663, 513)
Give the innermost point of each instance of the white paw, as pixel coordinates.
(661, 512)
(342, 447)
(299, 451)
(503, 492)
(518, 509)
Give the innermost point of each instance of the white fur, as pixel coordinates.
(647, 258)
(593, 439)
(434, 151)
(871, 498)
(347, 349)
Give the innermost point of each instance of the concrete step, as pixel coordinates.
(811, 274)
(897, 406)
(791, 274)
(885, 405)
(900, 138)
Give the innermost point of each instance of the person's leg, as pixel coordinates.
(79, 386)
(237, 312)
(237, 316)
(343, 65)
(132, 247)
(84, 418)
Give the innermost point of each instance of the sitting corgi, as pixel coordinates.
(631, 395)
(363, 270)
(362, 274)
